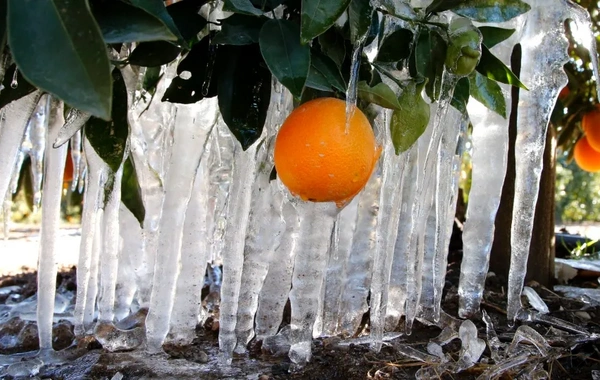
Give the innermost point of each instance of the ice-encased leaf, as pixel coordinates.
(287, 58)
(381, 94)
(244, 88)
(460, 98)
(239, 29)
(427, 61)
(493, 35)
(482, 10)
(121, 22)
(493, 68)
(109, 138)
(78, 72)
(359, 16)
(318, 16)
(131, 192)
(395, 46)
(409, 123)
(153, 53)
(157, 9)
(488, 93)
(241, 6)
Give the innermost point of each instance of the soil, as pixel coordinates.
(570, 356)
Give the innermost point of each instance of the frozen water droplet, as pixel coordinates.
(185, 75)
(14, 84)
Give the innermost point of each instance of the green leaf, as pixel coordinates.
(333, 46)
(410, 121)
(241, 6)
(396, 46)
(287, 58)
(460, 98)
(3, 11)
(121, 22)
(492, 36)
(58, 48)
(267, 5)
(317, 80)
(109, 138)
(318, 16)
(427, 61)
(154, 53)
(239, 29)
(157, 9)
(488, 93)
(131, 192)
(329, 70)
(491, 10)
(442, 5)
(9, 94)
(360, 14)
(244, 91)
(381, 95)
(493, 68)
(197, 74)
(187, 19)
(151, 78)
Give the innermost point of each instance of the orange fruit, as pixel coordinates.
(591, 127)
(318, 158)
(586, 156)
(562, 95)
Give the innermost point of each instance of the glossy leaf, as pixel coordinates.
(381, 94)
(330, 71)
(491, 10)
(131, 192)
(187, 19)
(197, 74)
(58, 48)
(109, 138)
(492, 36)
(239, 29)
(316, 80)
(154, 53)
(488, 93)
(287, 58)
(318, 16)
(493, 68)
(333, 46)
(396, 46)
(157, 9)
(244, 88)
(360, 14)
(427, 61)
(443, 5)
(121, 22)
(267, 5)
(9, 94)
(460, 98)
(410, 121)
(241, 6)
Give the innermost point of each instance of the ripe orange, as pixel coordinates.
(586, 156)
(318, 159)
(591, 127)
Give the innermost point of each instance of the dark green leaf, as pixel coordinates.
(189, 22)
(360, 14)
(493, 68)
(492, 36)
(154, 53)
(197, 73)
(427, 61)
(109, 138)
(244, 91)
(267, 5)
(332, 45)
(131, 192)
(241, 6)
(287, 58)
(58, 48)
(318, 16)
(23, 88)
(381, 94)
(443, 5)
(317, 80)
(410, 121)
(239, 29)
(395, 46)
(3, 11)
(121, 22)
(157, 9)
(488, 93)
(151, 78)
(491, 10)
(460, 98)
(311, 93)
(329, 70)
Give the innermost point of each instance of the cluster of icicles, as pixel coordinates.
(208, 201)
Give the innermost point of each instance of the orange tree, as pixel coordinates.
(71, 50)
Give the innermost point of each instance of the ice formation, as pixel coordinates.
(209, 202)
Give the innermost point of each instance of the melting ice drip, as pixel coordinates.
(208, 201)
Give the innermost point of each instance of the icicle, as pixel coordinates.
(14, 119)
(544, 52)
(53, 175)
(76, 119)
(192, 126)
(425, 311)
(351, 92)
(37, 134)
(76, 158)
(316, 224)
